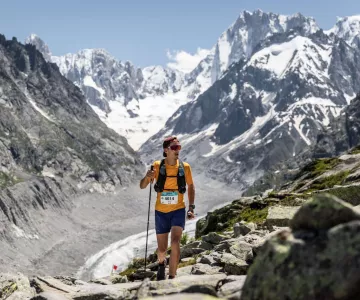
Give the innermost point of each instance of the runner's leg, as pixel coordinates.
(176, 232)
(162, 240)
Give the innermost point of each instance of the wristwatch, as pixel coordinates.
(192, 206)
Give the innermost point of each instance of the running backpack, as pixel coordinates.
(181, 183)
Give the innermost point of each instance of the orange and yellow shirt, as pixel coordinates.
(171, 185)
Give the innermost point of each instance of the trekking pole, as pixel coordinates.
(147, 230)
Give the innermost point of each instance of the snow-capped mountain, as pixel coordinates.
(134, 102)
(265, 109)
(40, 45)
(137, 102)
(348, 28)
(240, 39)
(102, 78)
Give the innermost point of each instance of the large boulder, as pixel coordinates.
(213, 238)
(280, 215)
(319, 259)
(323, 213)
(233, 265)
(179, 284)
(15, 287)
(241, 250)
(243, 228)
(204, 269)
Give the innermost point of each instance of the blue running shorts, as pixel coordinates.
(164, 221)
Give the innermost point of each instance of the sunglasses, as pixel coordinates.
(175, 147)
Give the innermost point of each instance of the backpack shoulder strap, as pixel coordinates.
(161, 177)
(181, 182)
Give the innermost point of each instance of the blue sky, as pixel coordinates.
(142, 31)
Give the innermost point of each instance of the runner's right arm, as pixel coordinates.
(150, 174)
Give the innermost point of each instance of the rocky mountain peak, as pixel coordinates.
(348, 28)
(40, 45)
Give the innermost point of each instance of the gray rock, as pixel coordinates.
(232, 289)
(237, 230)
(97, 291)
(323, 212)
(201, 269)
(48, 284)
(153, 266)
(66, 279)
(252, 239)
(118, 279)
(280, 215)
(213, 259)
(50, 296)
(15, 287)
(321, 266)
(357, 208)
(194, 244)
(144, 289)
(202, 289)
(184, 296)
(232, 278)
(189, 252)
(241, 249)
(225, 245)
(243, 228)
(206, 259)
(206, 246)
(187, 259)
(80, 282)
(213, 238)
(141, 275)
(102, 281)
(178, 284)
(184, 271)
(233, 265)
(343, 133)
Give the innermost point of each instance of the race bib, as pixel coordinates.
(169, 198)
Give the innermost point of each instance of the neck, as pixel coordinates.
(171, 161)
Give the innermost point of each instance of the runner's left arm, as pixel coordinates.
(191, 193)
(190, 183)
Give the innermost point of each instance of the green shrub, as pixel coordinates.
(184, 239)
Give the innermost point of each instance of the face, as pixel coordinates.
(173, 150)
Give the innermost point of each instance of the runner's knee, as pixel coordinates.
(162, 249)
(175, 239)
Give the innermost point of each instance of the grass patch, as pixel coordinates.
(350, 194)
(136, 263)
(184, 239)
(318, 167)
(329, 181)
(286, 199)
(256, 216)
(248, 214)
(127, 272)
(7, 180)
(187, 263)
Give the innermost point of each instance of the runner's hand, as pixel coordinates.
(190, 215)
(150, 174)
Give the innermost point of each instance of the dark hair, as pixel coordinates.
(167, 143)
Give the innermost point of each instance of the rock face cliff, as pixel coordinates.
(342, 134)
(48, 128)
(52, 147)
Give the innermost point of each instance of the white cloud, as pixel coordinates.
(184, 61)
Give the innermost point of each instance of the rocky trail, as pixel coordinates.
(300, 242)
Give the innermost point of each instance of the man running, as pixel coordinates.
(170, 205)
